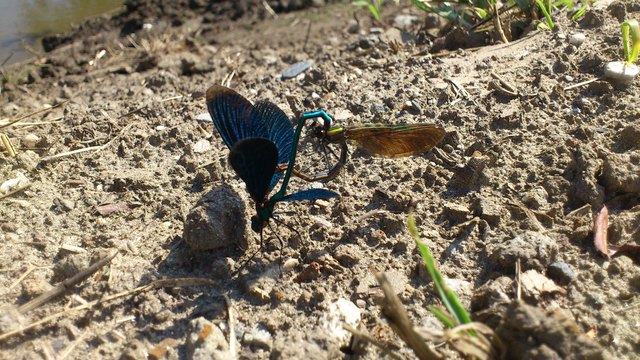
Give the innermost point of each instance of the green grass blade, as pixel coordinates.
(630, 40)
(448, 297)
(444, 318)
(546, 9)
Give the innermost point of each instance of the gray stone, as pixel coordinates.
(296, 69)
(561, 273)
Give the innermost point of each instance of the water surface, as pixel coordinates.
(24, 22)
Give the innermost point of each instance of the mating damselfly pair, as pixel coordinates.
(263, 145)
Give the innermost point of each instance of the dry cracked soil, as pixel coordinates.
(116, 155)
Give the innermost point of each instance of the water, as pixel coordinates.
(24, 22)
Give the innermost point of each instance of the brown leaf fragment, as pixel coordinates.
(631, 250)
(109, 209)
(600, 225)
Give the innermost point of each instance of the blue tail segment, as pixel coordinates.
(310, 194)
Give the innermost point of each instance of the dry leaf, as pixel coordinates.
(631, 250)
(535, 284)
(600, 226)
(109, 209)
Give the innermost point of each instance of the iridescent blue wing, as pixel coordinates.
(277, 128)
(310, 194)
(277, 125)
(230, 113)
(255, 161)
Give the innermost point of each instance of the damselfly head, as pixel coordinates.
(256, 224)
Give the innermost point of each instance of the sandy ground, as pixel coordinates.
(517, 176)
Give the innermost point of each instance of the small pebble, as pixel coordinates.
(203, 117)
(577, 39)
(30, 140)
(561, 273)
(295, 69)
(258, 336)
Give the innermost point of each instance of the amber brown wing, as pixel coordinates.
(395, 140)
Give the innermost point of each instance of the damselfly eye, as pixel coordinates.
(256, 224)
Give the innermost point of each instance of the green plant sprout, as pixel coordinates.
(472, 14)
(630, 40)
(374, 6)
(624, 72)
(545, 9)
(457, 314)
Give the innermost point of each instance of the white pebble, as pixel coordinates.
(577, 39)
(620, 72)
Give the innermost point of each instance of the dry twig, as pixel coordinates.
(67, 284)
(33, 113)
(178, 282)
(398, 318)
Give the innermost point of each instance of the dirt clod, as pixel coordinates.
(535, 251)
(217, 221)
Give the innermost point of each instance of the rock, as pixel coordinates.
(295, 69)
(621, 172)
(413, 107)
(561, 273)
(341, 115)
(217, 221)
(338, 313)
(621, 73)
(397, 280)
(258, 336)
(405, 20)
(577, 39)
(206, 341)
(9, 185)
(535, 251)
(618, 10)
